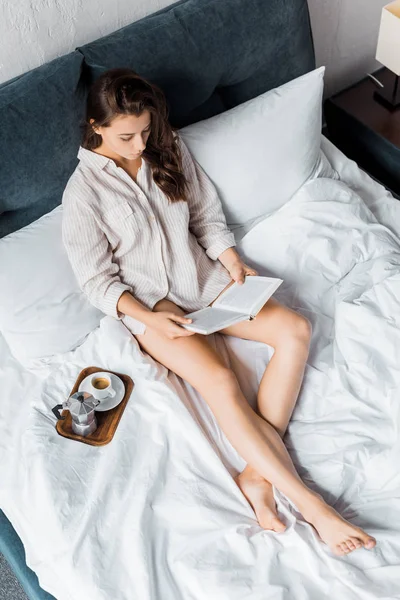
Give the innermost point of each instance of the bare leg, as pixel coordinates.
(289, 333)
(257, 441)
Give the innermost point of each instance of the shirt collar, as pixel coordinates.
(88, 157)
(92, 158)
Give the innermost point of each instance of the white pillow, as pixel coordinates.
(42, 309)
(259, 153)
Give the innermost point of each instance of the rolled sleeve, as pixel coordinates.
(111, 297)
(91, 257)
(207, 219)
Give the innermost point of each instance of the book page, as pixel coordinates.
(250, 296)
(210, 319)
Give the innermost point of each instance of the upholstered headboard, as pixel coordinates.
(207, 56)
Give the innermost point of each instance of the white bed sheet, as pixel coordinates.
(156, 514)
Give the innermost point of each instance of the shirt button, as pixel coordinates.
(152, 218)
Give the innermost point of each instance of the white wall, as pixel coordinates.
(35, 31)
(345, 35)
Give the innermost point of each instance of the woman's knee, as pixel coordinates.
(168, 305)
(298, 328)
(288, 327)
(223, 377)
(219, 382)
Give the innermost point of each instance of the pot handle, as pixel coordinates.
(56, 411)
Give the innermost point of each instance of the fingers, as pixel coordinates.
(239, 270)
(179, 318)
(242, 278)
(180, 331)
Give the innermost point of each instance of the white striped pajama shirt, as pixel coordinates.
(125, 235)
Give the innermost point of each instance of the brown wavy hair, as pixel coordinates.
(123, 92)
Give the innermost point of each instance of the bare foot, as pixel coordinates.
(341, 536)
(259, 493)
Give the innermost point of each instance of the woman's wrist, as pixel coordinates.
(229, 258)
(128, 305)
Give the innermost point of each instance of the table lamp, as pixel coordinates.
(388, 53)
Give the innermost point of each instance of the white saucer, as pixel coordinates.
(106, 403)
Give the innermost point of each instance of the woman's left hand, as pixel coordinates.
(238, 270)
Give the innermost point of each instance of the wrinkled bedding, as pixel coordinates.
(156, 515)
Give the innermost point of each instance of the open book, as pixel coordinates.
(237, 303)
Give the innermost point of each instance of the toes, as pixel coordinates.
(371, 543)
(339, 550)
(348, 546)
(356, 542)
(367, 540)
(345, 547)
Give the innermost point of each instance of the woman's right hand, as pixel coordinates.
(164, 322)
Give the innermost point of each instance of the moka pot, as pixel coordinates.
(82, 406)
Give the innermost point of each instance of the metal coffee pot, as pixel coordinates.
(82, 406)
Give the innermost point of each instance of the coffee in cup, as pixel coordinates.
(101, 386)
(100, 383)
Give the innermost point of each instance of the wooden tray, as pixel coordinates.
(107, 421)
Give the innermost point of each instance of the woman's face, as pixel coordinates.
(126, 136)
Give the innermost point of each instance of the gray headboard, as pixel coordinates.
(207, 56)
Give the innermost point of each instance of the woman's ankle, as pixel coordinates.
(310, 503)
(249, 473)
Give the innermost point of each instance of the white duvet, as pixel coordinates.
(156, 515)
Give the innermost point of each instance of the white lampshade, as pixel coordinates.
(388, 49)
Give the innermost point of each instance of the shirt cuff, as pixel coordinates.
(220, 246)
(111, 297)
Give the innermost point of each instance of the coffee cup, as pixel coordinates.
(101, 386)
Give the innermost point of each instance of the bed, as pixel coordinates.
(156, 513)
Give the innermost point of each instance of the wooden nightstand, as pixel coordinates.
(365, 130)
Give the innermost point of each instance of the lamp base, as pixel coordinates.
(389, 98)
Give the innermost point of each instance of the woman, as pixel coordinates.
(147, 239)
